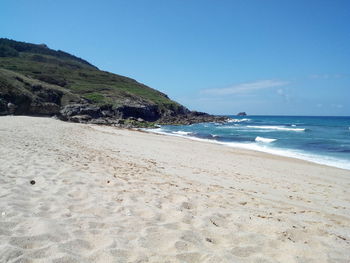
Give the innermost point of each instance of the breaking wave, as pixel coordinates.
(239, 120)
(265, 140)
(182, 133)
(277, 128)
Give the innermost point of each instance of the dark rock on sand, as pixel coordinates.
(192, 117)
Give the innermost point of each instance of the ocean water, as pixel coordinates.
(324, 140)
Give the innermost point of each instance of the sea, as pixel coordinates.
(323, 140)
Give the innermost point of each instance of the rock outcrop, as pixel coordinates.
(191, 118)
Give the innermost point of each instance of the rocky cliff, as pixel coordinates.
(36, 80)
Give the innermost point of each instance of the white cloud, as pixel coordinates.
(246, 87)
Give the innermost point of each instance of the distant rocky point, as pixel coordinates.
(242, 114)
(36, 80)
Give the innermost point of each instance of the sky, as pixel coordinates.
(264, 57)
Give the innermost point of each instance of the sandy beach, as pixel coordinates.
(101, 194)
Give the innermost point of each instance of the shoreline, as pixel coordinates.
(255, 148)
(103, 194)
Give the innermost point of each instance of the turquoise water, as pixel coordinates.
(324, 140)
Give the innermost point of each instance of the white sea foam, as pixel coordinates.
(277, 128)
(293, 154)
(293, 125)
(264, 148)
(265, 140)
(238, 120)
(234, 126)
(182, 132)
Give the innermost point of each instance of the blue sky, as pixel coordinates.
(263, 57)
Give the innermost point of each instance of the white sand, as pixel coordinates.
(168, 199)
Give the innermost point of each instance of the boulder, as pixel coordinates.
(68, 111)
(44, 108)
(80, 118)
(11, 108)
(99, 121)
(146, 112)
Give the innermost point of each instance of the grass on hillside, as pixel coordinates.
(79, 77)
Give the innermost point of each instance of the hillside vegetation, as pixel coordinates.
(36, 80)
(29, 71)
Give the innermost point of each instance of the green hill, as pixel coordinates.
(34, 78)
